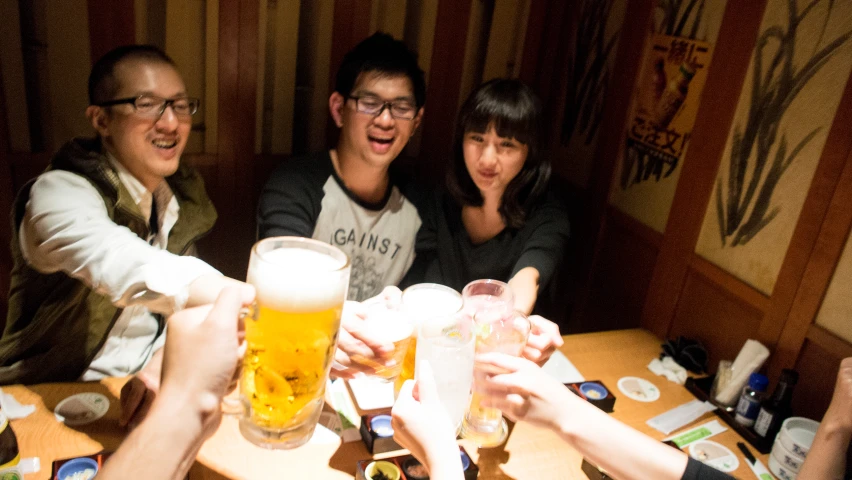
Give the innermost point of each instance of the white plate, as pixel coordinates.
(82, 408)
(715, 455)
(638, 389)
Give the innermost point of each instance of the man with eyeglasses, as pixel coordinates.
(103, 239)
(348, 196)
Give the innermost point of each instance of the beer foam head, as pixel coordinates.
(297, 280)
(429, 302)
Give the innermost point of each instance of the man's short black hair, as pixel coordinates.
(102, 82)
(380, 53)
(514, 111)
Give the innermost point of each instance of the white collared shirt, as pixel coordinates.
(66, 228)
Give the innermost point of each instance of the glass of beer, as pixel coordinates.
(291, 335)
(447, 343)
(389, 325)
(419, 303)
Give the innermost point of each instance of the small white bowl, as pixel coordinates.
(786, 458)
(797, 435)
(779, 471)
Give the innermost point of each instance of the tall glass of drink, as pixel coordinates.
(291, 335)
(419, 303)
(495, 332)
(448, 344)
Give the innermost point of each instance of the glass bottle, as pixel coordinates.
(749, 404)
(775, 410)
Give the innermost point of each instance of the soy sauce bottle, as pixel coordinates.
(749, 404)
(774, 411)
(9, 454)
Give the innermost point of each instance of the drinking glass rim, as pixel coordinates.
(305, 241)
(488, 281)
(434, 286)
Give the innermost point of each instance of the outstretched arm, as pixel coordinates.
(827, 456)
(200, 358)
(524, 392)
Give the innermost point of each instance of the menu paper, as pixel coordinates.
(700, 432)
(680, 416)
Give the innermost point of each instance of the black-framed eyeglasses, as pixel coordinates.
(154, 106)
(400, 109)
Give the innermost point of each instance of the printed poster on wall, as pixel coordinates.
(666, 104)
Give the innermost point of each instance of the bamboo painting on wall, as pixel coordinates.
(652, 157)
(800, 66)
(594, 46)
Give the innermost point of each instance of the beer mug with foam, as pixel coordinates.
(291, 336)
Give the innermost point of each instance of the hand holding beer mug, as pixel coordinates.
(291, 336)
(364, 346)
(385, 322)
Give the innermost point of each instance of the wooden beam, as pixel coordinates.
(234, 195)
(616, 108)
(740, 27)
(7, 194)
(442, 94)
(351, 25)
(112, 23)
(837, 149)
(833, 233)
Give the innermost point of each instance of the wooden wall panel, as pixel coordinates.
(739, 27)
(814, 281)
(351, 25)
(822, 212)
(620, 280)
(710, 313)
(817, 365)
(589, 227)
(231, 190)
(442, 92)
(7, 194)
(112, 23)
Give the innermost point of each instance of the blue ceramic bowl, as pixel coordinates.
(76, 465)
(593, 391)
(465, 460)
(381, 424)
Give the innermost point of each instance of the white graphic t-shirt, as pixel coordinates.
(305, 197)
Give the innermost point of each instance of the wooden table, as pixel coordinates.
(530, 453)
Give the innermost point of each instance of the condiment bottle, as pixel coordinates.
(749, 404)
(774, 411)
(9, 454)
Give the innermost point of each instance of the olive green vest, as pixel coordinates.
(56, 324)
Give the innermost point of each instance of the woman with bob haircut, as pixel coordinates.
(497, 218)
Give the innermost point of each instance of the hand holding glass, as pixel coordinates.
(496, 331)
(420, 303)
(447, 345)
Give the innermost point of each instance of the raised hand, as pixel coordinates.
(544, 339)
